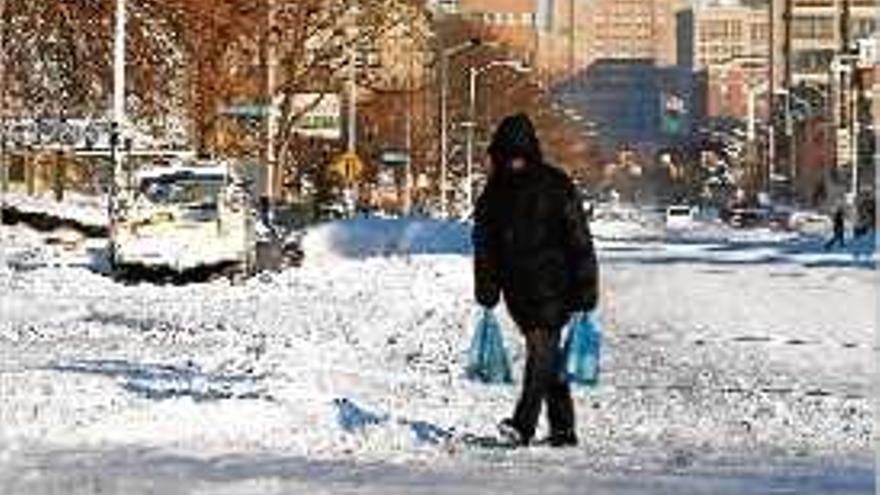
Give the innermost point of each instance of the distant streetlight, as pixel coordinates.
(445, 55)
(515, 65)
(4, 164)
(843, 65)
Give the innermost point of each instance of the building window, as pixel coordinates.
(759, 33)
(813, 61)
(814, 3)
(813, 28)
(864, 28)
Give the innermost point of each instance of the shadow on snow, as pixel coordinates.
(164, 381)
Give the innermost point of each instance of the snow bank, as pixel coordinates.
(369, 237)
(622, 230)
(80, 208)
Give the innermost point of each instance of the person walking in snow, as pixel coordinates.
(838, 222)
(533, 245)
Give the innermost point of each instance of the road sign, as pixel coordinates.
(349, 166)
(673, 114)
(869, 53)
(320, 115)
(394, 158)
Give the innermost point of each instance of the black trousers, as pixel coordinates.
(544, 382)
(837, 239)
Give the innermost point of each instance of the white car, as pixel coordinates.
(810, 223)
(184, 217)
(680, 216)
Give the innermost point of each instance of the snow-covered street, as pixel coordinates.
(734, 362)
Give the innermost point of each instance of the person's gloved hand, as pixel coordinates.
(487, 300)
(581, 304)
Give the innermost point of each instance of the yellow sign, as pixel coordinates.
(349, 166)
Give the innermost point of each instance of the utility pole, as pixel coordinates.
(850, 91)
(351, 31)
(4, 162)
(771, 99)
(445, 53)
(845, 27)
(119, 68)
(271, 112)
(444, 136)
(854, 130)
(352, 52)
(352, 100)
(408, 185)
(474, 72)
(118, 124)
(789, 86)
(571, 38)
(266, 169)
(408, 179)
(472, 124)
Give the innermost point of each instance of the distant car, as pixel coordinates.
(747, 217)
(680, 216)
(808, 222)
(333, 211)
(779, 219)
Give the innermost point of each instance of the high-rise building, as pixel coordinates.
(621, 73)
(512, 22)
(577, 33)
(818, 28)
(736, 38)
(612, 60)
(632, 29)
(722, 34)
(563, 37)
(730, 49)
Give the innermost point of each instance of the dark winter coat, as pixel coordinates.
(531, 238)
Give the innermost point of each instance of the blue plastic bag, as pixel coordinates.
(581, 350)
(487, 357)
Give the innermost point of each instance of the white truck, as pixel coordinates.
(680, 217)
(184, 217)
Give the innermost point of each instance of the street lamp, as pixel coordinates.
(4, 163)
(517, 66)
(118, 117)
(843, 65)
(445, 55)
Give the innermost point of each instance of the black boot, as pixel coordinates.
(512, 434)
(566, 438)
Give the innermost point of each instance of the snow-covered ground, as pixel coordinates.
(87, 210)
(734, 362)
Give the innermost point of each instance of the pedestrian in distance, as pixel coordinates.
(532, 245)
(838, 223)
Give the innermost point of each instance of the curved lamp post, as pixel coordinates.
(445, 55)
(516, 65)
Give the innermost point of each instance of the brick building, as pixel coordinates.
(564, 36)
(725, 33)
(816, 34)
(729, 49)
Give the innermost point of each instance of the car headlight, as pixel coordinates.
(161, 217)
